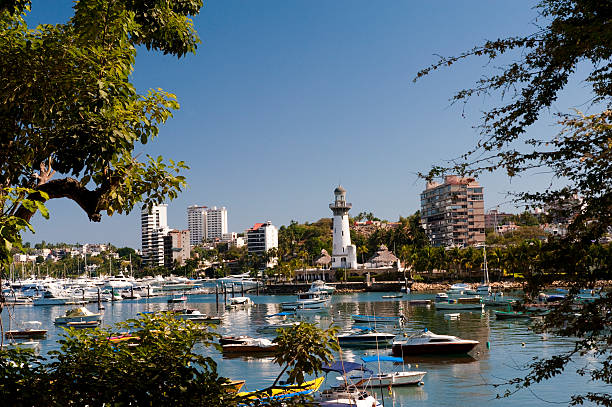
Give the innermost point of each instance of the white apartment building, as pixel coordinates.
(154, 226)
(206, 223)
(261, 237)
(196, 223)
(216, 222)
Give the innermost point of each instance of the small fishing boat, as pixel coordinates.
(395, 378)
(308, 300)
(283, 392)
(511, 315)
(232, 340)
(177, 299)
(80, 314)
(123, 338)
(452, 316)
(239, 302)
(364, 336)
(427, 342)
(194, 315)
(319, 286)
(234, 386)
(378, 319)
(29, 329)
(441, 297)
(393, 296)
(458, 288)
(29, 345)
(250, 346)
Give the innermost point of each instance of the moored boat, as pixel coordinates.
(283, 392)
(427, 342)
(80, 314)
(394, 378)
(511, 315)
(194, 315)
(307, 300)
(347, 394)
(465, 303)
(239, 302)
(250, 346)
(30, 329)
(364, 336)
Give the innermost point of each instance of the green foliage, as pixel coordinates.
(157, 367)
(67, 107)
(303, 349)
(570, 34)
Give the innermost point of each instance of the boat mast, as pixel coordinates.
(486, 268)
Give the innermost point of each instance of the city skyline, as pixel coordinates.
(278, 94)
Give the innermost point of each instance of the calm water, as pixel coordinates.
(455, 381)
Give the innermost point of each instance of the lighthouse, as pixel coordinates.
(344, 254)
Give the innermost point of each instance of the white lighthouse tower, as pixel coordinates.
(344, 254)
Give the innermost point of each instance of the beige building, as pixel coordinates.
(452, 213)
(177, 247)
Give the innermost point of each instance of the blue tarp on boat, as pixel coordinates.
(343, 367)
(375, 358)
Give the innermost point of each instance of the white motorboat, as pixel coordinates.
(307, 300)
(80, 314)
(239, 302)
(395, 378)
(271, 328)
(347, 394)
(51, 297)
(441, 297)
(119, 282)
(364, 336)
(458, 288)
(319, 286)
(427, 342)
(195, 315)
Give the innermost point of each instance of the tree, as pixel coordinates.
(571, 33)
(69, 110)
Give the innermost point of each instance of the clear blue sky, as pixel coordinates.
(285, 99)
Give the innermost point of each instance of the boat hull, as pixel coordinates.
(85, 318)
(376, 320)
(31, 333)
(455, 348)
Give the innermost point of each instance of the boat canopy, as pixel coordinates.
(281, 314)
(344, 367)
(375, 358)
(363, 328)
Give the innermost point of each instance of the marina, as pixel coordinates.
(447, 378)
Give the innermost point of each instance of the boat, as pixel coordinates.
(228, 340)
(239, 301)
(283, 392)
(51, 297)
(177, 299)
(319, 286)
(395, 378)
(30, 329)
(83, 324)
(233, 386)
(364, 336)
(194, 315)
(458, 288)
(119, 282)
(378, 319)
(511, 315)
(484, 288)
(346, 394)
(452, 316)
(427, 342)
(419, 302)
(465, 303)
(441, 297)
(80, 314)
(27, 345)
(308, 300)
(393, 296)
(250, 346)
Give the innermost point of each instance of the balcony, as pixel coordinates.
(340, 205)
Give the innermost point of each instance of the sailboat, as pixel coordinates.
(484, 288)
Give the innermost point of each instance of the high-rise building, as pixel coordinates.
(177, 247)
(154, 226)
(344, 254)
(216, 222)
(261, 237)
(196, 223)
(452, 213)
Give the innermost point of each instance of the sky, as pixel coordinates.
(284, 100)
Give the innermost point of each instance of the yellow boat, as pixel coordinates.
(234, 386)
(284, 391)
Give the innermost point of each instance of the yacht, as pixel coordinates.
(458, 288)
(319, 286)
(427, 342)
(80, 314)
(119, 281)
(51, 296)
(307, 300)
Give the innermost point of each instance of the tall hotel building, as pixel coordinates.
(452, 213)
(196, 223)
(154, 227)
(206, 223)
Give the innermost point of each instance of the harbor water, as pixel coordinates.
(505, 347)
